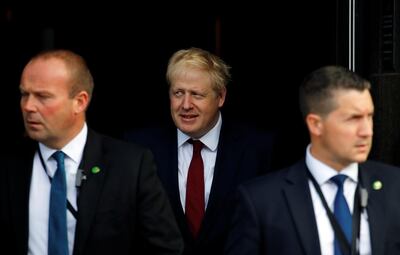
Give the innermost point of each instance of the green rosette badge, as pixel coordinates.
(95, 170)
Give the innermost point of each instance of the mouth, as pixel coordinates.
(188, 116)
(363, 146)
(32, 123)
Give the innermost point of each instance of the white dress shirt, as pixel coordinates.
(322, 174)
(208, 153)
(39, 196)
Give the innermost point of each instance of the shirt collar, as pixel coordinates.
(323, 173)
(210, 139)
(74, 149)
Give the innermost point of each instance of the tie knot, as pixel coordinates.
(339, 179)
(197, 145)
(59, 157)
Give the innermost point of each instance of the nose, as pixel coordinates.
(28, 104)
(187, 102)
(366, 128)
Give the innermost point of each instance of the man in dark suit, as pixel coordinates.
(230, 154)
(113, 203)
(333, 201)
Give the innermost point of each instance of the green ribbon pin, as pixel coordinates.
(95, 170)
(377, 185)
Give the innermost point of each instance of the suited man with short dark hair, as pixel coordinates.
(334, 201)
(113, 203)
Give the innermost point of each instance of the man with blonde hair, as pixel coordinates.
(203, 157)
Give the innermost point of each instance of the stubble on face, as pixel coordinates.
(347, 130)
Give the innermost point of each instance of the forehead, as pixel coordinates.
(353, 100)
(191, 75)
(43, 72)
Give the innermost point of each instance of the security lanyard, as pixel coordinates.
(343, 243)
(69, 205)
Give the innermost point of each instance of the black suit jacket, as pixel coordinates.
(275, 215)
(123, 209)
(242, 154)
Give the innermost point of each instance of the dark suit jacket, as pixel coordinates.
(242, 154)
(275, 215)
(121, 210)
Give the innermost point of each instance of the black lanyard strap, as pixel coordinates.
(70, 208)
(343, 243)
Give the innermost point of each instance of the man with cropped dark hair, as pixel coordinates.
(334, 201)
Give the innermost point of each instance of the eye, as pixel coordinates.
(24, 94)
(355, 118)
(43, 96)
(178, 93)
(198, 95)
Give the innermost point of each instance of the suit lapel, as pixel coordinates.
(171, 156)
(91, 188)
(224, 173)
(172, 180)
(375, 208)
(298, 196)
(19, 179)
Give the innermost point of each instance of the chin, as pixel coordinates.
(187, 128)
(361, 159)
(35, 135)
(187, 131)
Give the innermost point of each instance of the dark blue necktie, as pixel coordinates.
(341, 212)
(58, 237)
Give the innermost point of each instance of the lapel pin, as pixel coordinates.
(95, 170)
(377, 185)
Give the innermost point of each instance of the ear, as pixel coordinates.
(222, 95)
(314, 124)
(81, 102)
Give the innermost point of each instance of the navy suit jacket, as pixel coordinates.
(275, 214)
(122, 209)
(242, 154)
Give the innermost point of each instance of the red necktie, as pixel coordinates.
(194, 207)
